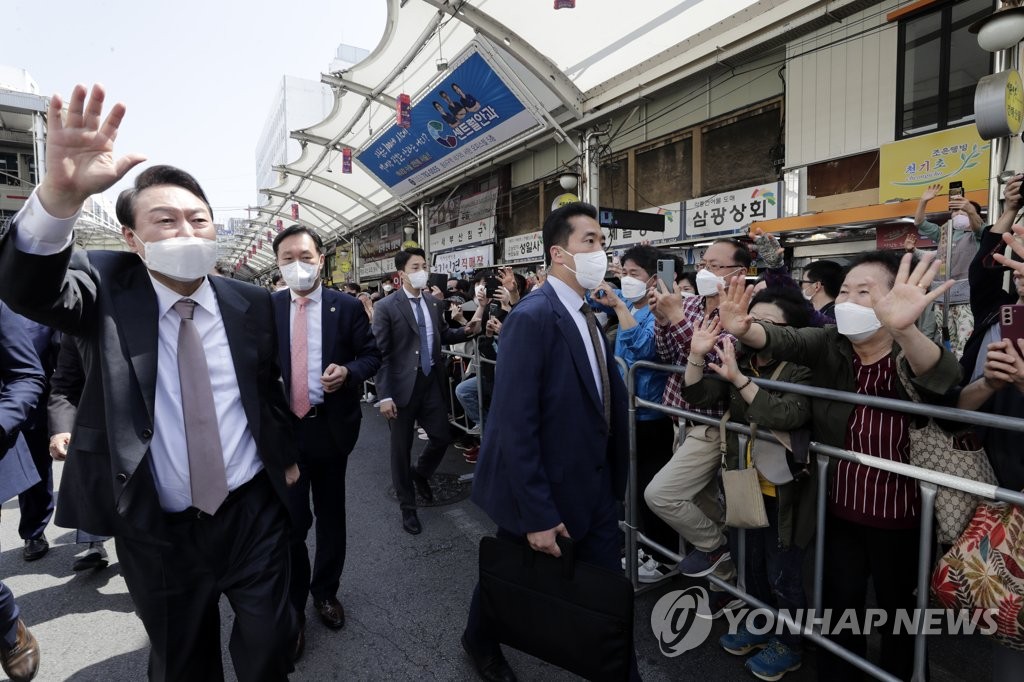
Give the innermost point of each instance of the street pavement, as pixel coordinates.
(405, 597)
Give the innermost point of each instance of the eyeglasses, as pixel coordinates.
(718, 268)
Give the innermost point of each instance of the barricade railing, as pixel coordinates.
(928, 481)
(476, 361)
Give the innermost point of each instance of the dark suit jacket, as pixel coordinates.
(66, 384)
(107, 300)
(21, 386)
(347, 341)
(547, 455)
(398, 337)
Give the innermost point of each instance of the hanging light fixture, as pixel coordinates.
(1002, 29)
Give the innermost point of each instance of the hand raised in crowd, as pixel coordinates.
(493, 326)
(1015, 241)
(455, 310)
(734, 304)
(546, 540)
(334, 377)
(728, 368)
(666, 304)
(607, 296)
(80, 152)
(59, 446)
(910, 243)
(507, 277)
(705, 335)
(436, 291)
(1004, 364)
(502, 295)
(900, 307)
(961, 204)
(931, 191)
(1011, 193)
(615, 270)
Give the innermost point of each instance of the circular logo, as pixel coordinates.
(436, 129)
(681, 620)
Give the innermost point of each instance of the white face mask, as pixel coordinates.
(481, 290)
(418, 279)
(633, 289)
(300, 276)
(387, 288)
(687, 294)
(856, 322)
(590, 267)
(961, 222)
(807, 296)
(707, 282)
(184, 259)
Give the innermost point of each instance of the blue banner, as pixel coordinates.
(470, 112)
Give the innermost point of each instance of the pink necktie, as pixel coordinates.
(300, 361)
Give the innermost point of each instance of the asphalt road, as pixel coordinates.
(406, 599)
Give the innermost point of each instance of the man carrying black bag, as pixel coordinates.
(553, 462)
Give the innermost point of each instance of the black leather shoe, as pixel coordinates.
(300, 644)
(331, 613)
(411, 522)
(35, 548)
(422, 487)
(493, 668)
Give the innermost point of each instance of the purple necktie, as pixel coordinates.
(202, 432)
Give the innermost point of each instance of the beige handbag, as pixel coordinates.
(744, 503)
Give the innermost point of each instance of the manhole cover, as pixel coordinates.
(448, 489)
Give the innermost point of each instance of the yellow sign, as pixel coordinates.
(1014, 102)
(908, 166)
(563, 199)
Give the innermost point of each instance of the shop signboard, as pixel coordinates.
(376, 269)
(469, 112)
(524, 247)
(463, 235)
(894, 237)
(733, 211)
(619, 239)
(908, 166)
(467, 259)
(478, 206)
(382, 241)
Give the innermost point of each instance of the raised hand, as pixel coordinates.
(900, 307)
(1004, 363)
(705, 335)
(666, 304)
(1016, 243)
(728, 368)
(931, 191)
(733, 305)
(80, 152)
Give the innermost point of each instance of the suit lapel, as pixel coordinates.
(244, 354)
(282, 301)
(328, 324)
(571, 333)
(138, 321)
(405, 307)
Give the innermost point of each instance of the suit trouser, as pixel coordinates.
(9, 615)
(241, 552)
(322, 472)
(601, 546)
(426, 406)
(37, 502)
(684, 493)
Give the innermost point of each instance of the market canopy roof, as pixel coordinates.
(578, 65)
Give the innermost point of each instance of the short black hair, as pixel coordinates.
(275, 279)
(794, 308)
(557, 227)
(889, 260)
(293, 230)
(353, 286)
(520, 283)
(151, 177)
(688, 276)
(741, 254)
(646, 258)
(403, 256)
(828, 273)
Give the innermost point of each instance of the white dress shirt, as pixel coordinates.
(573, 302)
(314, 340)
(40, 233)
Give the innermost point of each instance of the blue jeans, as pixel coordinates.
(469, 396)
(774, 573)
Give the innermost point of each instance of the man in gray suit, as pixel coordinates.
(410, 330)
(182, 446)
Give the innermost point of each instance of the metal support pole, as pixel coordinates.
(924, 563)
(819, 539)
(591, 170)
(632, 568)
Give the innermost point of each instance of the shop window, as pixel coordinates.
(29, 162)
(664, 174)
(9, 169)
(738, 152)
(938, 67)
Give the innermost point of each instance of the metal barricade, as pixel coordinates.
(929, 482)
(475, 361)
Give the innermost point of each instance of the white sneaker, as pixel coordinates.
(475, 431)
(649, 570)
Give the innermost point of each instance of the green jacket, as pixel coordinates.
(769, 410)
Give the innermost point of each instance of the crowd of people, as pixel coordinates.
(205, 424)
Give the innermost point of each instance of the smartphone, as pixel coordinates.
(492, 283)
(437, 279)
(956, 190)
(667, 272)
(1011, 322)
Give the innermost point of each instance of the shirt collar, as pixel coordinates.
(316, 295)
(166, 297)
(410, 296)
(569, 298)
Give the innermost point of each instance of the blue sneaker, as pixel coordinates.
(699, 563)
(743, 642)
(774, 661)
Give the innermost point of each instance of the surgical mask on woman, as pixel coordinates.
(590, 267)
(184, 259)
(633, 289)
(961, 222)
(856, 322)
